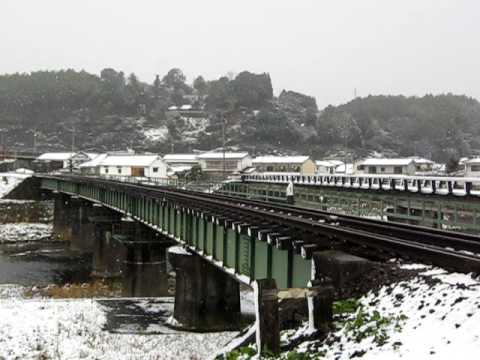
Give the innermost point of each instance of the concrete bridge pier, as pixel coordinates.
(64, 208)
(206, 298)
(82, 237)
(108, 254)
(145, 271)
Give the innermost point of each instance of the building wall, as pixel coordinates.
(324, 170)
(231, 165)
(127, 170)
(161, 170)
(387, 169)
(114, 170)
(309, 168)
(472, 170)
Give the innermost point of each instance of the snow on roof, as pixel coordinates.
(180, 158)
(341, 168)
(219, 155)
(178, 169)
(172, 108)
(328, 163)
(473, 161)
(186, 107)
(387, 162)
(56, 156)
(129, 160)
(419, 160)
(95, 161)
(280, 159)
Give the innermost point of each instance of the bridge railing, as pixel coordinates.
(203, 186)
(462, 186)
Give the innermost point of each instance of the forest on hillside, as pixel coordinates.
(55, 110)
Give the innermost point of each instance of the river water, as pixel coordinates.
(50, 264)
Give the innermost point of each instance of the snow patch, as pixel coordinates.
(9, 181)
(24, 232)
(156, 134)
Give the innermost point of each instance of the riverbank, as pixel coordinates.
(78, 329)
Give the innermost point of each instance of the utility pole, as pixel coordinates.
(73, 139)
(345, 138)
(223, 145)
(34, 141)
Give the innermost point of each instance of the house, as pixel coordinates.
(401, 166)
(65, 160)
(291, 164)
(92, 167)
(327, 166)
(423, 165)
(55, 160)
(472, 167)
(181, 159)
(340, 169)
(234, 161)
(131, 165)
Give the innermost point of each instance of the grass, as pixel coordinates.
(97, 288)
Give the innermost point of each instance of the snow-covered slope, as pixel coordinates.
(436, 315)
(8, 182)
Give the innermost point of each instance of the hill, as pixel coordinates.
(53, 110)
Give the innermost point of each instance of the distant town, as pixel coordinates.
(217, 164)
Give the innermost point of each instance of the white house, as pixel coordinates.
(401, 166)
(327, 166)
(290, 164)
(422, 164)
(340, 169)
(92, 167)
(472, 167)
(133, 165)
(234, 161)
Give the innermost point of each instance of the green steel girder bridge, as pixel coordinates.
(236, 243)
(256, 240)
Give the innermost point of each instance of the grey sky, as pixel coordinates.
(318, 47)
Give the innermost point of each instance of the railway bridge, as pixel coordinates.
(281, 251)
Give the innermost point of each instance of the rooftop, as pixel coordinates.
(180, 157)
(95, 161)
(473, 161)
(56, 156)
(328, 163)
(387, 162)
(129, 160)
(219, 155)
(280, 159)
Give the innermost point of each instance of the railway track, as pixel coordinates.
(307, 231)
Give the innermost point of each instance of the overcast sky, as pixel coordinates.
(322, 48)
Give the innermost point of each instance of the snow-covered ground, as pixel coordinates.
(8, 181)
(436, 315)
(24, 232)
(74, 329)
(156, 134)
